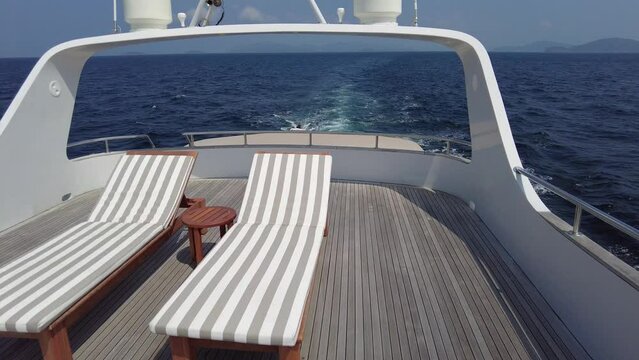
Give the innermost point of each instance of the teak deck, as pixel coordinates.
(405, 273)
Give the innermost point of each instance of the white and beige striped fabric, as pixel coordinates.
(137, 204)
(252, 287)
(37, 288)
(144, 189)
(282, 185)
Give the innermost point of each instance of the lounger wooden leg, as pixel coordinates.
(182, 349)
(55, 344)
(291, 353)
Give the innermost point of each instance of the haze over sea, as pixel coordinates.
(575, 118)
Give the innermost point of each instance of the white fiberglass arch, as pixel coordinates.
(38, 117)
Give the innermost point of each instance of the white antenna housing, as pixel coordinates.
(182, 18)
(340, 14)
(148, 14)
(383, 12)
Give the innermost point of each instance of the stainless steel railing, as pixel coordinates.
(581, 206)
(190, 137)
(106, 140)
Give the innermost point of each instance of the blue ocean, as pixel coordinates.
(575, 118)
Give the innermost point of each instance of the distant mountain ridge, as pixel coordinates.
(610, 46)
(535, 47)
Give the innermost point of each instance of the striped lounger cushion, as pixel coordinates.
(252, 287)
(274, 182)
(138, 203)
(144, 189)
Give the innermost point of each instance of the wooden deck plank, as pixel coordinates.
(311, 348)
(342, 307)
(541, 339)
(468, 285)
(353, 316)
(405, 273)
(473, 286)
(432, 302)
(548, 324)
(492, 309)
(385, 283)
(407, 281)
(460, 345)
(416, 239)
(373, 274)
(432, 336)
(330, 316)
(477, 289)
(361, 317)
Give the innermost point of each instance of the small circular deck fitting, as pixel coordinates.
(54, 88)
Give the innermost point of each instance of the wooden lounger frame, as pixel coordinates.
(183, 348)
(54, 340)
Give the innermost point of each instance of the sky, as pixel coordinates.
(29, 28)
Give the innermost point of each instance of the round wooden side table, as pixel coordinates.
(200, 219)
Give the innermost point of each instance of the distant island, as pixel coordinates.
(536, 47)
(326, 44)
(603, 46)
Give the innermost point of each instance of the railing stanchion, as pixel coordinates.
(447, 147)
(376, 141)
(576, 226)
(245, 139)
(310, 139)
(150, 142)
(106, 146)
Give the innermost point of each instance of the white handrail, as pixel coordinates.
(106, 140)
(580, 206)
(190, 138)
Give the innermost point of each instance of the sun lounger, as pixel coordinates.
(250, 292)
(50, 287)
